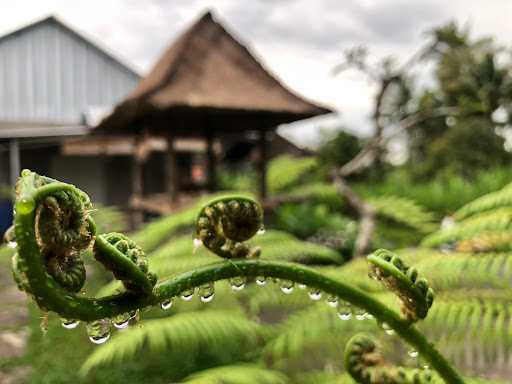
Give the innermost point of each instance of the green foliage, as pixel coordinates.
(403, 211)
(441, 195)
(285, 172)
(185, 335)
(490, 201)
(109, 219)
(482, 225)
(338, 149)
(238, 374)
(472, 80)
(245, 180)
(318, 193)
(307, 219)
(469, 145)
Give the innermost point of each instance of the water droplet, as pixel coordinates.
(302, 286)
(69, 324)
(413, 353)
(167, 304)
(237, 283)
(287, 286)
(344, 312)
(99, 331)
(100, 339)
(208, 298)
(261, 281)
(207, 292)
(332, 301)
(360, 314)
(369, 316)
(197, 244)
(261, 231)
(387, 329)
(315, 294)
(121, 321)
(187, 295)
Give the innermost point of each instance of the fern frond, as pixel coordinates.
(318, 193)
(237, 374)
(448, 271)
(403, 211)
(498, 220)
(155, 233)
(316, 326)
(183, 334)
(490, 201)
(285, 171)
(283, 246)
(471, 330)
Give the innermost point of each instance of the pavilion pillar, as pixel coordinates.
(14, 161)
(262, 164)
(171, 169)
(137, 180)
(211, 161)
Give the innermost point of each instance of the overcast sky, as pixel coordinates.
(299, 40)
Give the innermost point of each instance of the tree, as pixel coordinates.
(468, 78)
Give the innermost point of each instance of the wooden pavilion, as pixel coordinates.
(207, 87)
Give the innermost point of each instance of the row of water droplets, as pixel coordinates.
(99, 331)
(345, 310)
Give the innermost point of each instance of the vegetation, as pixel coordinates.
(292, 302)
(48, 266)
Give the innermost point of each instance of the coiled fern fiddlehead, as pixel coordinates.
(365, 364)
(52, 222)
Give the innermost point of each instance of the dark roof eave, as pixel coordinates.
(129, 115)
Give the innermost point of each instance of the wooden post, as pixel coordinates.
(171, 169)
(211, 161)
(262, 164)
(137, 180)
(14, 161)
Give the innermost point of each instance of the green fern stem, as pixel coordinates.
(52, 297)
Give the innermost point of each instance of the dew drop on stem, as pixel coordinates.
(286, 286)
(166, 304)
(237, 283)
(360, 314)
(121, 321)
(315, 294)
(207, 292)
(332, 301)
(98, 331)
(69, 324)
(261, 281)
(187, 294)
(344, 313)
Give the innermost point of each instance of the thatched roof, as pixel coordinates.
(207, 69)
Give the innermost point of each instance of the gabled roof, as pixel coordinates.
(208, 68)
(52, 19)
